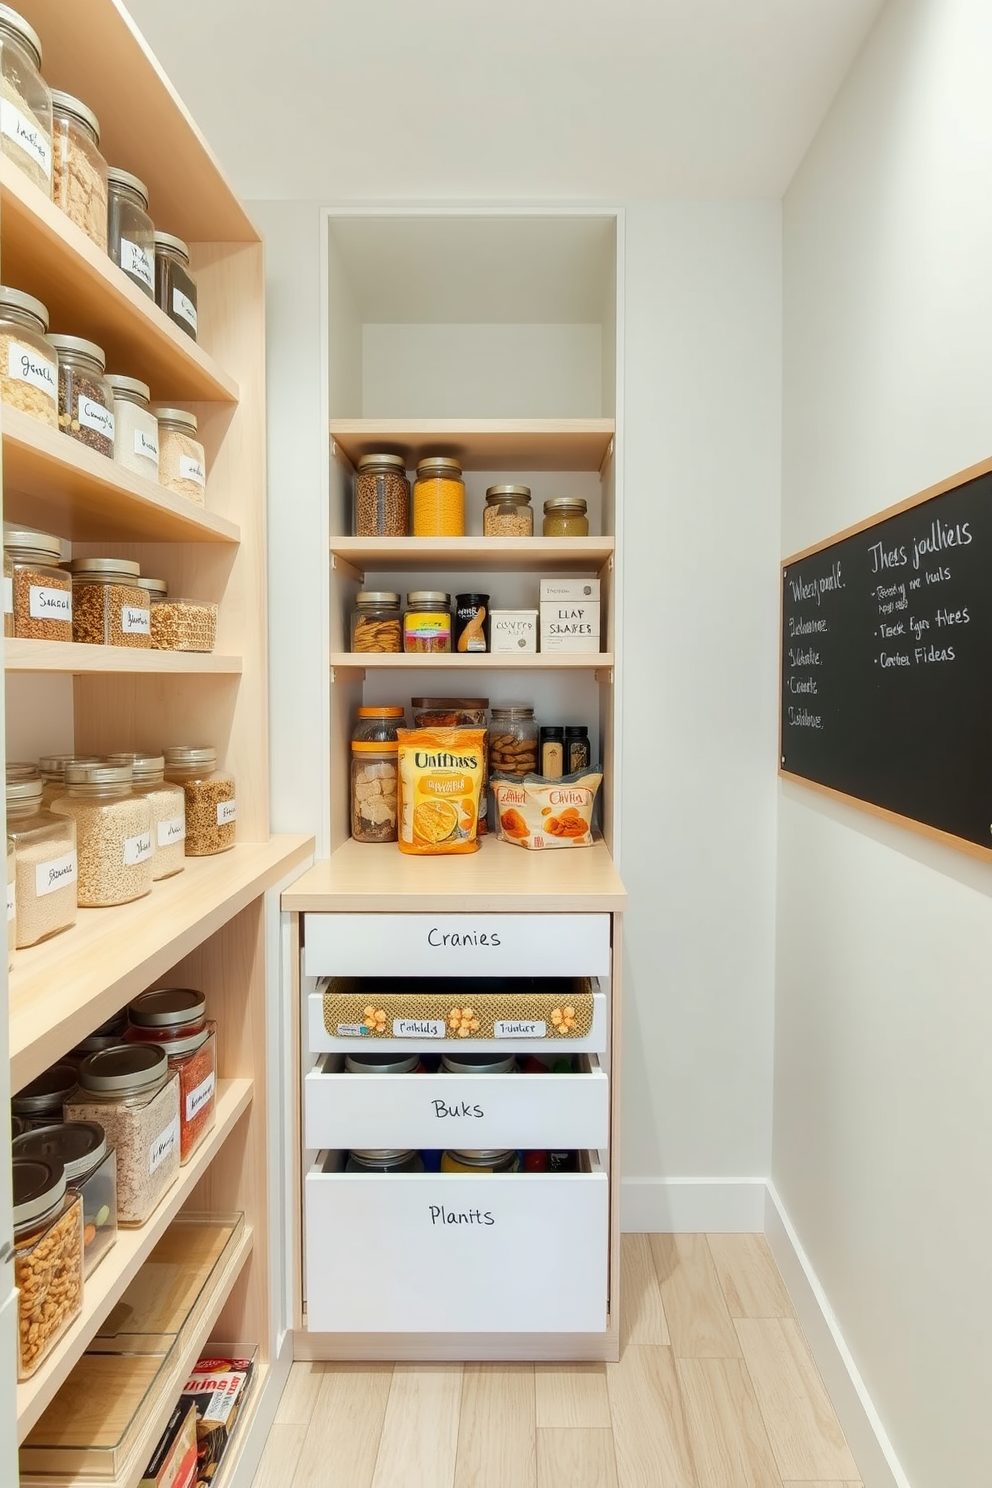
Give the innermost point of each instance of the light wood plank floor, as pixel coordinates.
(716, 1388)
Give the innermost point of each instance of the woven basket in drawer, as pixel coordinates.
(368, 1010)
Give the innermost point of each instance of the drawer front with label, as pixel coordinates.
(474, 945)
(446, 1110)
(456, 1253)
(408, 1033)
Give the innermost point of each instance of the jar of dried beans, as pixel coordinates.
(48, 1258)
(374, 773)
(182, 465)
(175, 287)
(168, 808)
(131, 1091)
(439, 498)
(211, 803)
(42, 590)
(108, 607)
(86, 402)
(90, 1168)
(508, 512)
(130, 230)
(175, 1019)
(382, 497)
(113, 834)
(136, 432)
(26, 112)
(79, 181)
(427, 621)
(376, 624)
(29, 370)
(45, 863)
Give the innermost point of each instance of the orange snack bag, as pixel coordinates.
(540, 813)
(440, 773)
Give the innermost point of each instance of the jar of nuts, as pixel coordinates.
(376, 624)
(108, 607)
(29, 371)
(81, 1148)
(79, 182)
(48, 1257)
(86, 402)
(182, 465)
(382, 497)
(513, 736)
(42, 589)
(113, 834)
(45, 863)
(508, 512)
(211, 803)
(26, 136)
(130, 230)
(168, 808)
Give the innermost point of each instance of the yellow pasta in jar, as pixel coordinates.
(439, 498)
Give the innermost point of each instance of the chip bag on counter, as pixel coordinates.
(441, 772)
(535, 812)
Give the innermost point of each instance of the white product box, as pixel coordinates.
(569, 626)
(586, 591)
(512, 631)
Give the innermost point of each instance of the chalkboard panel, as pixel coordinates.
(887, 662)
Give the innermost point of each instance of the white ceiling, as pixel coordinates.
(516, 100)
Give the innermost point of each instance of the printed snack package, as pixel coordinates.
(441, 772)
(535, 812)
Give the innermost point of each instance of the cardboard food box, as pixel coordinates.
(569, 625)
(173, 1462)
(218, 1387)
(513, 631)
(586, 591)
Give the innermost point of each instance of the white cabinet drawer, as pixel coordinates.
(471, 945)
(441, 1110)
(322, 1042)
(455, 1253)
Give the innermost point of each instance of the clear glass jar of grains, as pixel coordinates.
(211, 804)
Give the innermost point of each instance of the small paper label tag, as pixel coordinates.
(352, 1030)
(172, 830)
(146, 445)
(422, 1028)
(18, 127)
(183, 305)
(49, 604)
(55, 874)
(135, 621)
(163, 1145)
(519, 1028)
(11, 902)
(24, 364)
(192, 470)
(137, 850)
(227, 811)
(137, 261)
(198, 1097)
(93, 415)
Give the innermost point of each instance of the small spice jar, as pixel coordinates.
(211, 802)
(45, 868)
(439, 498)
(472, 622)
(86, 400)
(136, 433)
(513, 737)
(131, 1091)
(552, 751)
(168, 808)
(508, 512)
(376, 624)
(113, 834)
(79, 177)
(577, 751)
(52, 767)
(175, 1019)
(427, 621)
(374, 777)
(29, 369)
(565, 516)
(382, 497)
(48, 1258)
(108, 607)
(43, 1101)
(26, 116)
(42, 589)
(175, 287)
(130, 230)
(384, 1160)
(483, 1160)
(182, 465)
(91, 1169)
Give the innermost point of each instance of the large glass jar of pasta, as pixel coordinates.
(376, 623)
(211, 803)
(45, 867)
(168, 808)
(439, 498)
(86, 402)
(130, 230)
(26, 116)
(42, 589)
(29, 369)
(113, 834)
(79, 177)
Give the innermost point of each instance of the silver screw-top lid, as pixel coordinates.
(102, 568)
(172, 245)
(396, 461)
(143, 766)
(25, 789)
(54, 764)
(132, 389)
(77, 1145)
(38, 1186)
(16, 299)
(438, 465)
(426, 598)
(167, 1007)
(184, 754)
(98, 774)
(65, 103)
(178, 416)
(15, 25)
(124, 1068)
(118, 177)
(20, 539)
(382, 1157)
(482, 1157)
(153, 586)
(381, 1064)
(513, 710)
(565, 504)
(478, 1064)
(21, 770)
(515, 494)
(78, 346)
(377, 597)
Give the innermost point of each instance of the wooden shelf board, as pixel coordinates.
(482, 444)
(86, 294)
(103, 1290)
(55, 484)
(74, 657)
(484, 554)
(361, 876)
(64, 988)
(532, 661)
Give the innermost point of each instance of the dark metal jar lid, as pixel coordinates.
(123, 1068)
(167, 1007)
(78, 1145)
(50, 1089)
(381, 1064)
(38, 1185)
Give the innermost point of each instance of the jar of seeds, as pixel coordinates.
(508, 512)
(168, 808)
(108, 607)
(79, 182)
(42, 590)
(48, 1257)
(130, 230)
(86, 402)
(211, 804)
(180, 624)
(52, 767)
(90, 1168)
(26, 132)
(113, 834)
(29, 372)
(45, 863)
(136, 432)
(175, 287)
(131, 1091)
(182, 465)
(382, 497)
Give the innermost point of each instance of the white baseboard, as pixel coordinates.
(690, 1205)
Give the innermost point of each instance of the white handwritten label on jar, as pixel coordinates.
(192, 470)
(428, 1028)
(197, 1098)
(49, 604)
(137, 261)
(8, 596)
(146, 445)
(135, 621)
(227, 811)
(55, 874)
(19, 128)
(519, 1028)
(183, 305)
(11, 902)
(24, 364)
(93, 415)
(172, 829)
(137, 849)
(163, 1145)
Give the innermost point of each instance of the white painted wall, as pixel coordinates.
(883, 1103)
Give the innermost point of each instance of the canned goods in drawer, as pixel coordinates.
(457, 1110)
(408, 1033)
(456, 945)
(456, 1253)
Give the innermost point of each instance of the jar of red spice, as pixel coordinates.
(175, 1019)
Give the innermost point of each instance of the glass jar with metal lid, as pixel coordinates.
(482, 1160)
(513, 736)
(45, 867)
(131, 1091)
(182, 464)
(29, 369)
(168, 808)
(167, 1013)
(43, 1101)
(79, 175)
(375, 621)
(211, 799)
(105, 1037)
(384, 1160)
(175, 1019)
(86, 400)
(179, 624)
(90, 1168)
(382, 497)
(565, 516)
(479, 1064)
(26, 116)
(439, 498)
(377, 724)
(175, 287)
(108, 607)
(130, 230)
(113, 834)
(374, 791)
(382, 1064)
(42, 589)
(136, 432)
(508, 512)
(48, 1257)
(427, 621)
(52, 767)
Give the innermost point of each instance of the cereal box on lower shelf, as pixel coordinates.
(218, 1387)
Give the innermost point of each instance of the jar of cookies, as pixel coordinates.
(513, 736)
(376, 623)
(374, 773)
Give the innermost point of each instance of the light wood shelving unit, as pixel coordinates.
(483, 444)
(79, 660)
(538, 661)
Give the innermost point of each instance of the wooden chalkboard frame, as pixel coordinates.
(923, 829)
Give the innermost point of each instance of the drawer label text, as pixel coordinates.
(520, 1028)
(461, 1108)
(428, 1028)
(442, 1216)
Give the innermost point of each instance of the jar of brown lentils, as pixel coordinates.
(86, 399)
(211, 804)
(382, 497)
